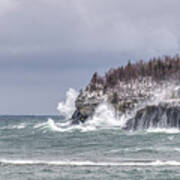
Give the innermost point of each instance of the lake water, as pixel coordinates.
(49, 148)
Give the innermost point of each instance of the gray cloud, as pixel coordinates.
(138, 27)
(47, 46)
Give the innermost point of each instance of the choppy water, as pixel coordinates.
(35, 148)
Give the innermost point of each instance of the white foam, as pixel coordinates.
(105, 116)
(68, 107)
(18, 126)
(165, 93)
(163, 130)
(58, 127)
(90, 163)
(50, 124)
(177, 149)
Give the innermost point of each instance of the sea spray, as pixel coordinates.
(105, 116)
(68, 107)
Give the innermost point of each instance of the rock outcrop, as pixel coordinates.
(152, 93)
(166, 115)
(148, 113)
(85, 107)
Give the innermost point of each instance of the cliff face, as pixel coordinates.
(160, 116)
(85, 107)
(151, 102)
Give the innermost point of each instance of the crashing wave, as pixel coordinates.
(160, 110)
(105, 116)
(68, 107)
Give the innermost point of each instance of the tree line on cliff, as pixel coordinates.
(156, 68)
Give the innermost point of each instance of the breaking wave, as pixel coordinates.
(94, 125)
(10, 127)
(104, 117)
(68, 107)
(163, 130)
(90, 163)
(51, 125)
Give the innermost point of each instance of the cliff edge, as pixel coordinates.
(148, 92)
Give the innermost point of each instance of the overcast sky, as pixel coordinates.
(48, 46)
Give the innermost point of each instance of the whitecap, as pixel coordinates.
(177, 149)
(163, 130)
(17, 126)
(90, 163)
(51, 125)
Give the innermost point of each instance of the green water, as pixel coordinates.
(33, 148)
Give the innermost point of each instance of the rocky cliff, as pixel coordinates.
(150, 100)
(164, 115)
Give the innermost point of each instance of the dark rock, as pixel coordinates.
(85, 108)
(162, 116)
(130, 87)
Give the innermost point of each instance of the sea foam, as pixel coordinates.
(163, 130)
(90, 163)
(18, 126)
(53, 126)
